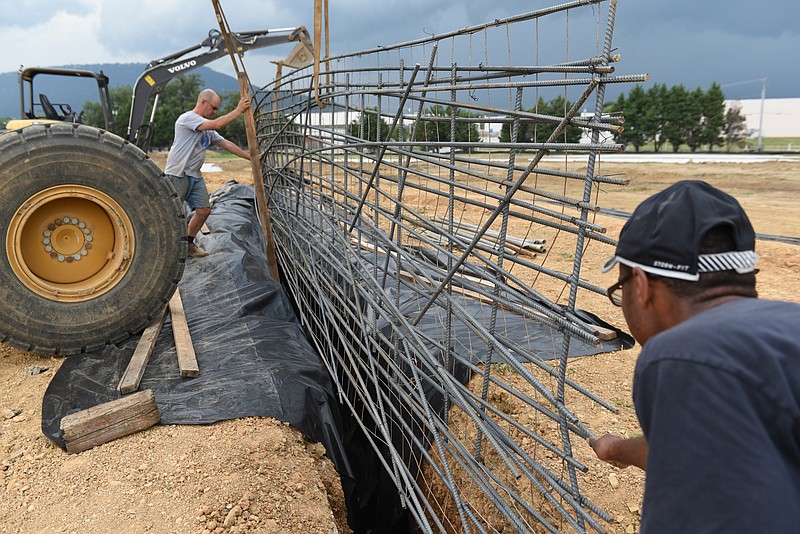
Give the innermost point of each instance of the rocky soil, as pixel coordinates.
(260, 475)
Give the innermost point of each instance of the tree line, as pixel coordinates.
(433, 127)
(178, 96)
(666, 118)
(537, 131)
(674, 117)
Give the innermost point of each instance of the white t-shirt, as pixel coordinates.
(188, 150)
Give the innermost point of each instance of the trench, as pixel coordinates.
(249, 341)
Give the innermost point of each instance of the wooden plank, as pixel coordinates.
(603, 333)
(187, 360)
(135, 370)
(109, 421)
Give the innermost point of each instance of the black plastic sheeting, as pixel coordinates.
(254, 360)
(253, 357)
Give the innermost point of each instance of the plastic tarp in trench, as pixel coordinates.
(253, 357)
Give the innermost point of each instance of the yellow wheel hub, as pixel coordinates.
(70, 243)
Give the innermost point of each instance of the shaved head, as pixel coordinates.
(207, 94)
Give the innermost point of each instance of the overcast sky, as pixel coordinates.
(736, 43)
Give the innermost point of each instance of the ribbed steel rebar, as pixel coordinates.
(416, 250)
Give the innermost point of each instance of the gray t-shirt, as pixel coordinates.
(188, 150)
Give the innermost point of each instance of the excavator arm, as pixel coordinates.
(160, 71)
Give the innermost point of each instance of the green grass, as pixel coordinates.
(219, 155)
(769, 144)
(779, 144)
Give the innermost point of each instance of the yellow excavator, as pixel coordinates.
(37, 108)
(94, 236)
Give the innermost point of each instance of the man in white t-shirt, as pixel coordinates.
(195, 131)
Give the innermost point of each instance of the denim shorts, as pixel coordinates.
(191, 190)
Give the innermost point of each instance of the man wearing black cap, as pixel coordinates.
(717, 383)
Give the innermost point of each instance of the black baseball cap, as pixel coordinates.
(663, 234)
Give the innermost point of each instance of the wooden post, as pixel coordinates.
(109, 421)
(258, 180)
(252, 145)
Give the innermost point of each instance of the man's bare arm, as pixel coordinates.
(620, 452)
(234, 149)
(221, 122)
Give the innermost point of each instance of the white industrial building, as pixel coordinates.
(774, 117)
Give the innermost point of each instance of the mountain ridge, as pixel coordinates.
(76, 91)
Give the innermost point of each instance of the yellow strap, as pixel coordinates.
(318, 7)
(276, 91)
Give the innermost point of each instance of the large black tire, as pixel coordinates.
(94, 239)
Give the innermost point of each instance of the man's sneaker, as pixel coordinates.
(196, 252)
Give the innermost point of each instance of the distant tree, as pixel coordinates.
(672, 116)
(436, 126)
(558, 107)
(634, 109)
(654, 118)
(539, 132)
(694, 118)
(121, 110)
(713, 117)
(372, 125)
(440, 129)
(735, 131)
(675, 113)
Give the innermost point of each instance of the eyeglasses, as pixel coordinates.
(615, 292)
(213, 107)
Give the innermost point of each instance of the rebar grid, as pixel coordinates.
(414, 252)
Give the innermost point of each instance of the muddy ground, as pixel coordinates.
(259, 475)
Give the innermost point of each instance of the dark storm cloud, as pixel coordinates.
(689, 42)
(770, 18)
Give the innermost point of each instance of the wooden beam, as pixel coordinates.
(141, 356)
(187, 360)
(262, 204)
(109, 421)
(252, 144)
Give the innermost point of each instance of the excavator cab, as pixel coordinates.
(36, 107)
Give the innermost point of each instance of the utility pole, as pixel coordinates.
(761, 116)
(760, 146)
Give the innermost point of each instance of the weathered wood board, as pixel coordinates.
(109, 421)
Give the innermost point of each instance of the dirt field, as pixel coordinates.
(259, 475)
